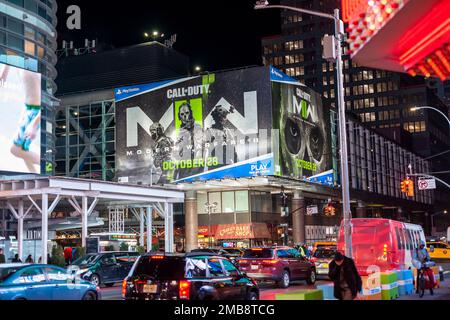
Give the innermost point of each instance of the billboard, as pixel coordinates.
(217, 126)
(304, 130)
(214, 126)
(20, 120)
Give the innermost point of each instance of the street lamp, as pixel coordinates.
(339, 34)
(209, 207)
(198, 68)
(435, 109)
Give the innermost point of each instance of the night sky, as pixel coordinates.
(215, 38)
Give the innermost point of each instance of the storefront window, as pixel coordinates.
(228, 202)
(241, 201)
(215, 197)
(202, 198)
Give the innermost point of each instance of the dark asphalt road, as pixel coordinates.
(268, 291)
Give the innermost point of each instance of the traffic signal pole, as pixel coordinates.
(345, 184)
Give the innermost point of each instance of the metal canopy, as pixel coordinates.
(43, 194)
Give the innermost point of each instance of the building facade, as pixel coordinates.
(380, 99)
(85, 120)
(28, 41)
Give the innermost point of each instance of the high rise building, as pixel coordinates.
(382, 100)
(28, 41)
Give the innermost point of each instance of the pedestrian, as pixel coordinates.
(16, 259)
(29, 259)
(49, 259)
(420, 259)
(347, 282)
(2, 257)
(40, 260)
(68, 255)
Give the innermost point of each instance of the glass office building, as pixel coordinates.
(28, 41)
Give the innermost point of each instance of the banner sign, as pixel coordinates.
(227, 125)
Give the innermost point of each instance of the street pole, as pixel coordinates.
(345, 184)
(435, 109)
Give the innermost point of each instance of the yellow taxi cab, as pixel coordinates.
(438, 250)
(321, 244)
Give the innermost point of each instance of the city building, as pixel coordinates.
(380, 99)
(28, 41)
(85, 120)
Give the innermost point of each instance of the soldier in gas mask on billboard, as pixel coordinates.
(161, 152)
(190, 141)
(221, 139)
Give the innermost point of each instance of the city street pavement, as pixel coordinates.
(268, 290)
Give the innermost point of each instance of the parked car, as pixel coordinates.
(279, 264)
(194, 276)
(105, 268)
(43, 282)
(322, 258)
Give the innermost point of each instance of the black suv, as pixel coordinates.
(194, 276)
(105, 268)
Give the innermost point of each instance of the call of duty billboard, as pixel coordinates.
(218, 126)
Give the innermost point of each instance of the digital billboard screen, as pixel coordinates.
(305, 133)
(20, 120)
(213, 126)
(232, 124)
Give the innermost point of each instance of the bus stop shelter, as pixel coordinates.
(44, 194)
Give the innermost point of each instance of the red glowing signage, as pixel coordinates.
(400, 35)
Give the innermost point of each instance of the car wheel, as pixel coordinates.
(311, 277)
(89, 296)
(95, 279)
(252, 295)
(285, 279)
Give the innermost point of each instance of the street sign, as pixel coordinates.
(427, 184)
(312, 210)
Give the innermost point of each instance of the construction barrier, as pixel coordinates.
(389, 286)
(371, 286)
(405, 282)
(328, 291)
(300, 295)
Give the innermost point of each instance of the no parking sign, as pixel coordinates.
(427, 184)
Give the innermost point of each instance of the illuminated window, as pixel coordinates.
(30, 48)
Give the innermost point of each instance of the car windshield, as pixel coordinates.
(258, 253)
(166, 268)
(88, 259)
(324, 253)
(5, 273)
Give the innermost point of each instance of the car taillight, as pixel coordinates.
(184, 289)
(313, 260)
(270, 262)
(124, 287)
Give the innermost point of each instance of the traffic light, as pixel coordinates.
(403, 185)
(330, 210)
(409, 188)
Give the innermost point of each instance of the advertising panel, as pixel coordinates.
(20, 120)
(233, 124)
(305, 136)
(214, 126)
